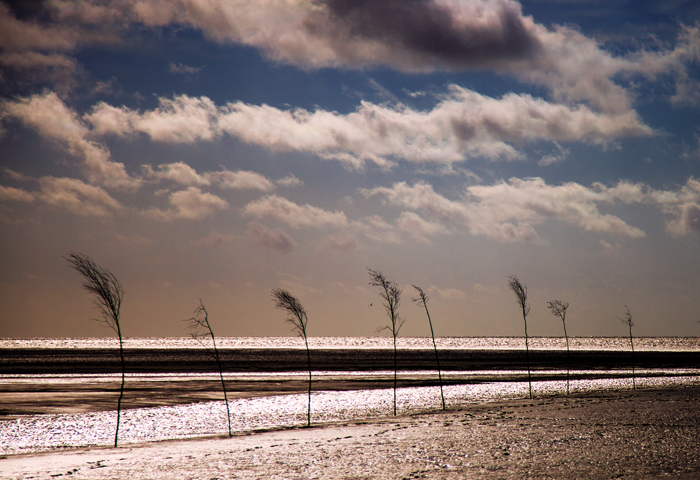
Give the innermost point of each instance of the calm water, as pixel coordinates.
(33, 433)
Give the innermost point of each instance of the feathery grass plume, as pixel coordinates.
(423, 300)
(391, 294)
(558, 309)
(298, 318)
(520, 291)
(108, 294)
(201, 328)
(627, 320)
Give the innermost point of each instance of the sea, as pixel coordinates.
(474, 370)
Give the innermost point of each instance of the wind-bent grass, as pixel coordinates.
(391, 294)
(558, 309)
(298, 318)
(108, 293)
(201, 328)
(423, 300)
(520, 291)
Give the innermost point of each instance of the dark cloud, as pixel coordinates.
(430, 31)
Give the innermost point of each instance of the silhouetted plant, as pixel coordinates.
(108, 294)
(520, 291)
(627, 320)
(298, 318)
(201, 328)
(391, 294)
(558, 309)
(423, 300)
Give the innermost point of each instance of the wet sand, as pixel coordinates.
(622, 434)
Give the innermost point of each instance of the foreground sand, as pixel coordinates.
(624, 434)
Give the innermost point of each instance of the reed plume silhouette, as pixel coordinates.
(108, 294)
(299, 319)
(520, 292)
(391, 294)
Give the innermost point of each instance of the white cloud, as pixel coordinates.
(278, 208)
(55, 121)
(289, 181)
(508, 211)
(682, 205)
(178, 172)
(463, 124)
(241, 180)
(276, 239)
(418, 228)
(190, 204)
(77, 197)
(447, 293)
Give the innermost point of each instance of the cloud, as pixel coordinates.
(682, 205)
(278, 208)
(430, 35)
(47, 114)
(289, 181)
(463, 124)
(178, 172)
(12, 194)
(241, 180)
(447, 293)
(190, 204)
(77, 197)
(422, 36)
(508, 211)
(418, 228)
(184, 69)
(276, 239)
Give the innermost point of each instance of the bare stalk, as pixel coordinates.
(520, 291)
(391, 294)
(423, 300)
(627, 320)
(108, 294)
(298, 318)
(199, 324)
(558, 309)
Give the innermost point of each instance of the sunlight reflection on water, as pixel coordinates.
(57, 431)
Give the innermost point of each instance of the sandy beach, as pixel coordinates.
(619, 434)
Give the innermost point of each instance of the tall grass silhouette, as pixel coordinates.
(520, 292)
(299, 319)
(108, 294)
(201, 328)
(627, 320)
(391, 294)
(558, 309)
(423, 300)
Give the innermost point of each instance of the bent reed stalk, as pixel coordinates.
(423, 300)
(299, 320)
(108, 294)
(202, 328)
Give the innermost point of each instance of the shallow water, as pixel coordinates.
(51, 432)
(33, 433)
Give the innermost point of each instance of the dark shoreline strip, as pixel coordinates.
(44, 361)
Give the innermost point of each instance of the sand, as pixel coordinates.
(621, 434)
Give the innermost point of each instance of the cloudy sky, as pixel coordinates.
(219, 149)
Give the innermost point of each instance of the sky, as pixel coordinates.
(216, 150)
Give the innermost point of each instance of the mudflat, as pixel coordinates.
(631, 434)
